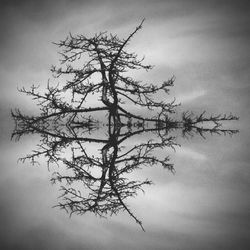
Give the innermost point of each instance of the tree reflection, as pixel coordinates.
(101, 183)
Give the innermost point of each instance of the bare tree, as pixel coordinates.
(97, 67)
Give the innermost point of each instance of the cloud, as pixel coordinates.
(189, 97)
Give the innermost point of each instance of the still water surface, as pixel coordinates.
(203, 205)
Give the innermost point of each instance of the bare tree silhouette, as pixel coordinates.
(97, 67)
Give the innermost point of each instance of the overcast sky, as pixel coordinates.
(205, 44)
